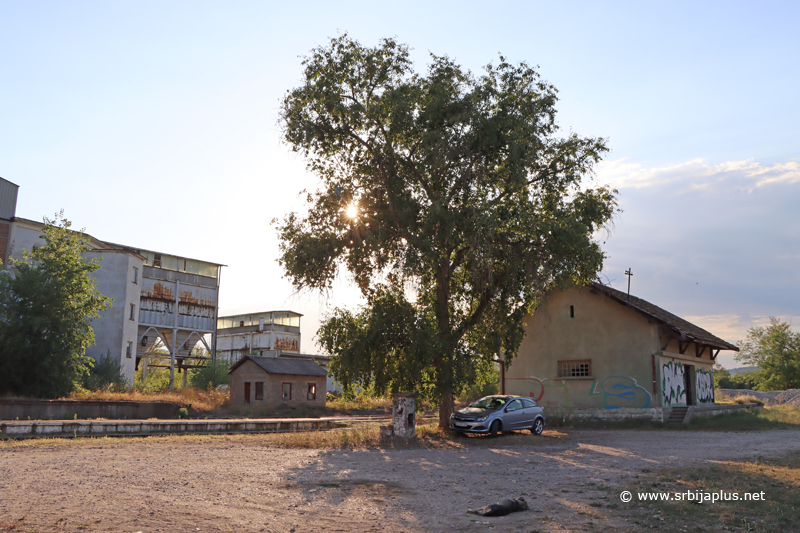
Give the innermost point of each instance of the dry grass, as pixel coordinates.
(360, 403)
(200, 400)
(778, 479)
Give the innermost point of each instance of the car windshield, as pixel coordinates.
(489, 403)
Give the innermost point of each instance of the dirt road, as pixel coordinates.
(242, 483)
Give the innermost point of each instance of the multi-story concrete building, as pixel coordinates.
(264, 334)
(161, 302)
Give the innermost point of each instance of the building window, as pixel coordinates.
(259, 390)
(133, 311)
(129, 350)
(577, 368)
(312, 391)
(287, 392)
(135, 275)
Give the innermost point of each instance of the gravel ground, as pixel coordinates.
(242, 483)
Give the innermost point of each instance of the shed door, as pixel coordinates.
(246, 392)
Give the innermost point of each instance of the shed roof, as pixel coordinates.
(279, 365)
(683, 328)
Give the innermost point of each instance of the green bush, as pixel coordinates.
(105, 374)
(214, 373)
(157, 378)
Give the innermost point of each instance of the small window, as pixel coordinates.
(133, 312)
(527, 404)
(156, 260)
(135, 275)
(287, 391)
(312, 391)
(513, 406)
(129, 350)
(576, 368)
(259, 390)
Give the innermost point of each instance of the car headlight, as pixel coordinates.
(481, 419)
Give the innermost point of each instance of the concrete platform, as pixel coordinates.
(97, 428)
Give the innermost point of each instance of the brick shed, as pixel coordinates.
(275, 382)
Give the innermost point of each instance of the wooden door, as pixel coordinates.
(246, 392)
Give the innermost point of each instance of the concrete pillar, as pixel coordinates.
(173, 349)
(404, 405)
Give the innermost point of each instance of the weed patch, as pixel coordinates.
(778, 480)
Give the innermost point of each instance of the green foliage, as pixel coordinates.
(105, 374)
(213, 374)
(183, 412)
(485, 385)
(741, 380)
(45, 308)
(775, 349)
(448, 197)
(157, 379)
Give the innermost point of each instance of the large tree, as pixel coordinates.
(775, 350)
(45, 309)
(450, 199)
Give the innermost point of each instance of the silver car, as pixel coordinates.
(492, 414)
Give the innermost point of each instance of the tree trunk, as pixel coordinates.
(446, 408)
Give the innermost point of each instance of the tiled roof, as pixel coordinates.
(684, 329)
(279, 365)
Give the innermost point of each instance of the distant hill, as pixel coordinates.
(742, 369)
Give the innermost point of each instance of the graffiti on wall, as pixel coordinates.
(617, 392)
(705, 386)
(538, 390)
(621, 391)
(672, 384)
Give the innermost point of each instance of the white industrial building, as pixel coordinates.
(266, 334)
(161, 301)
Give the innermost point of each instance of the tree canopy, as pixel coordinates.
(45, 309)
(775, 350)
(450, 199)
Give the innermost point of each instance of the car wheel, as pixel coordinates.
(538, 426)
(494, 428)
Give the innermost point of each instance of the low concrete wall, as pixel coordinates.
(726, 409)
(84, 409)
(656, 414)
(96, 428)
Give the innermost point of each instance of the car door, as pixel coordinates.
(530, 410)
(514, 415)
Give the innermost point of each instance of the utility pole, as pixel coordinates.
(629, 273)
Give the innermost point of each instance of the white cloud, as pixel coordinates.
(691, 175)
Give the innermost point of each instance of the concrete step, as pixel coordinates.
(677, 415)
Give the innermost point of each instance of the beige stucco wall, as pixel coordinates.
(619, 342)
(273, 388)
(624, 347)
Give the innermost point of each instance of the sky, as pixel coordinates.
(155, 124)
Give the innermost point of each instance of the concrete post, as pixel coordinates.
(404, 406)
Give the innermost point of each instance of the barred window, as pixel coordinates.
(575, 369)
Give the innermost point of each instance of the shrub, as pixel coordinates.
(214, 373)
(105, 374)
